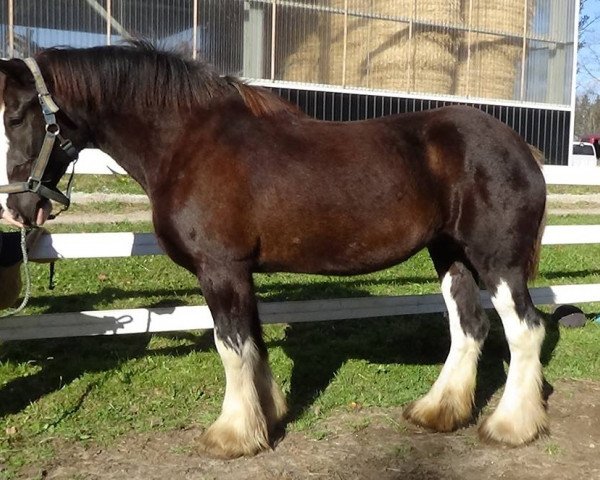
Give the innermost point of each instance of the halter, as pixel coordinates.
(49, 109)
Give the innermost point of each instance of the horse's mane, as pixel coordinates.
(103, 77)
(260, 101)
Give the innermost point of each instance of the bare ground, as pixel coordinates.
(359, 444)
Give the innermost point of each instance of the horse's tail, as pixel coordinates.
(534, 260)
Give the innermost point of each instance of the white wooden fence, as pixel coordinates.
(109, 322)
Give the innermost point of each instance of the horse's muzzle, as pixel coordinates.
(28, 209)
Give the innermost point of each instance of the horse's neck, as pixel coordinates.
(138, 144)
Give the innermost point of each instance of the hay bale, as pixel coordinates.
(425, 62)
(492, 72)
(320, 57)
(357, 46)
(379, 52)
(301, 66)
(502, 16)
(494, 66)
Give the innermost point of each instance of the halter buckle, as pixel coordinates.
(53, 129)
(33, 184)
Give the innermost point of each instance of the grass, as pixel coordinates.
(574, 189)
(90, 391)
(107, 207)
(581, 219)
(552, 449)
(103, 184)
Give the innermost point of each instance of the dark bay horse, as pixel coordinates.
(240, 182)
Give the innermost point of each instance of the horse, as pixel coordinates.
(241, 181)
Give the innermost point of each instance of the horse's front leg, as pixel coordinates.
(253, 406)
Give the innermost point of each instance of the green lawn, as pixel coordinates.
(581, 219)
(103, 184)
(574, 189)
(92, 390)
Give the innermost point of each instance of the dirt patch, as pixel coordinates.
(576, 210)
(85, 218)
(364, 444)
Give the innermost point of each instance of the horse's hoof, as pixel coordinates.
(442, 416)
(513, 431)
(226, 442)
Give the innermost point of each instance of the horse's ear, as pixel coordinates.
(17, 70)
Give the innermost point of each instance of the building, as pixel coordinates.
(349, 59)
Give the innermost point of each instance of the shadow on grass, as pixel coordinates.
(410, 339)
(92, 301)
(343, 287)
(574, 274)
(60, 361)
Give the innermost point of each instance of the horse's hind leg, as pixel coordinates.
(449, 403)
(253, 406)
(521, 414)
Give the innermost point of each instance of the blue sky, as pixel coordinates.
(588, 77)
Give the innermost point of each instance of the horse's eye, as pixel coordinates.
(15, 122)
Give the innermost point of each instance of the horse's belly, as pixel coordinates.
(346, 234)
(348, 255)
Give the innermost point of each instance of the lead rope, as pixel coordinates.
(27, 278)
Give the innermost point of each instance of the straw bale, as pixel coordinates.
(492, 72)
(427, 61)
(379, 52)
(504, 16)
(302, 65)
(494, 65)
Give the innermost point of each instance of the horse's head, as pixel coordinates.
(36, 156)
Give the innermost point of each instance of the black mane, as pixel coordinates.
(104, 77)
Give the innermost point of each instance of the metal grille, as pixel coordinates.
(167, 24)
(498, 49)
(40, 24)
(476, 51)
(221, 33)
(548, 76)
(5, 37)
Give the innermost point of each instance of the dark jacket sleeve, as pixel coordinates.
(10, 248)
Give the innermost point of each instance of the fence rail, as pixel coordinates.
(127, 244)
(145, 320)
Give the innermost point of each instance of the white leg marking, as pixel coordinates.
(460, 368)
(241, 398)
(520, 415)
(449, 402)
(3, 152)
(241, 429)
